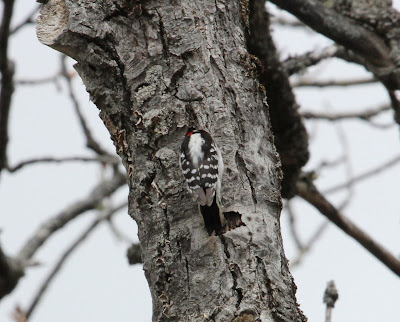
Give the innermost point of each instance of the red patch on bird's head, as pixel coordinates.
(190, 131)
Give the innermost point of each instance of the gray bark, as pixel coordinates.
(152, 68)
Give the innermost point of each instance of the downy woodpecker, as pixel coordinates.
(202, 166)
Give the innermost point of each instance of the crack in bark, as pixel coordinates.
(273, 304)
(107, 47)
(235, 271)
(166, 224)
(164, 39)
(270, 296)
(161, 285)
(241, 164)
(239, 116)
(187, 274)
(234, 274)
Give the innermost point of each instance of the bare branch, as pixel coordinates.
(39, 81)
(292, 226)
(90, 141)
(348, 168)
(298, 64)
(7, 87)
(119, 235)
(287, 22)
(339, 28)
(42, 234)
(330, 163)
(291, 139)
(63, 258)
(309, 244)
(102, 159)
(365, 115)
(307, 191)
(30, 19)
(370, 173)
(304, 82)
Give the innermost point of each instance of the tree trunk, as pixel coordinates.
(153, 67)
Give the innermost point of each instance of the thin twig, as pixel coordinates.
(28, 20)
(292, 226)
(298, 64)
(117, 233)
(341, 29)
(307, 191)
(347, 162)
(309, 244)
(364, 115)
(287, 22)
(42, 234)
(329, 164)
(304, 82)
(90, 141)
(102, 159)
(63, 258)
(38, 81)
(367, 174)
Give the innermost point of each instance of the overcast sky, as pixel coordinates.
(97, 284)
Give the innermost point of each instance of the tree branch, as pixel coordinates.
(64, 257)
(91, 143)
(365, 115)
(39, 81)
(292, 226)
(298, 64)
(287, 22)
(291, 138)
(7, 87)
(303, 82)
(102, 159)
(369, 48)
(372, 172)
(28, 20)
(339, 28)
(104, 189)
(307, 191)
(309, 244)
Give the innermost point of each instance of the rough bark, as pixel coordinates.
(152, 68)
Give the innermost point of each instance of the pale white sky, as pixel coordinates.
(97, 284)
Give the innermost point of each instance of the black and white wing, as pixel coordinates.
(202, 166)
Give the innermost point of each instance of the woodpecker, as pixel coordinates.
(202, 166)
